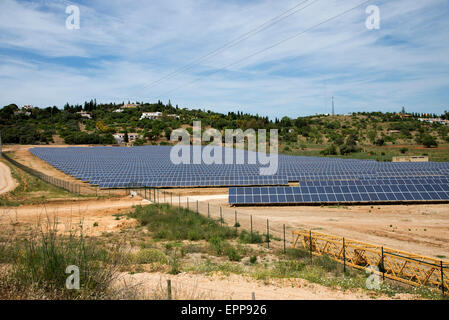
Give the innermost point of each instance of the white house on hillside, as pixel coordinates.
(120, 137)
(85, 114)
(155, 115)
(151, 115)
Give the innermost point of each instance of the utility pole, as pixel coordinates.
(333, 108)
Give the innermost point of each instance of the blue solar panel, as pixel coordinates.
(336, 194)
(321, 180)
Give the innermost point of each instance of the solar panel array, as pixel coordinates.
(150, 166)
(337, 194)
(321, 180)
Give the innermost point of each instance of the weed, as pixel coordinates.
(150, 256)
(171, 223)
(248, 237)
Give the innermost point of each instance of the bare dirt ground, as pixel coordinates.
(7, 182)
(22, 155)
(421, 229)
(100, 212)
(237, 287)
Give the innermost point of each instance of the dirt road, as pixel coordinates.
(7, 182)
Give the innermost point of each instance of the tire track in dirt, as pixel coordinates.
(7, 182)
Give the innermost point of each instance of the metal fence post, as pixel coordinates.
(197, 206)
(442, 277)
(285, 250)
(169, 289)
(251, 223)
(344, 255)
(235, 219)
(221, 216)
(208, 210)
(268, 234)
(310, 244)
(383, 265)
(171, 198)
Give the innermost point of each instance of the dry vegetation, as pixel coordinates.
(204, 260)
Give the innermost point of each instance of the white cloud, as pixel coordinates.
(123, 46)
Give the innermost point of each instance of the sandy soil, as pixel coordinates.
(7, 182)
(24, 156)
(421, 229)
(88, 212)
(237, 287)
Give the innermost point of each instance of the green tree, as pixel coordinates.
(429, 141)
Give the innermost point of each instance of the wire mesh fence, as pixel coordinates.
(72, 187)
(272, 234)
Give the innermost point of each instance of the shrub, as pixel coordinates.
(174, 261)
(380, 142)
(253, 259)
(289, 268)
(429, 141)
(217, 245)
(331, 150)
(297, 253)
(326, 263)
(247, 237)
(232, 254)
(39, 268)
(150, 256)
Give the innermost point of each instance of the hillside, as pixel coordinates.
(373, 135)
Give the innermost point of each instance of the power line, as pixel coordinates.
(234, 42)
(271, 46)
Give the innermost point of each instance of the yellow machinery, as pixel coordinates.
(398, 265)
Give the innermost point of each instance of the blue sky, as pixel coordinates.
(122, 47)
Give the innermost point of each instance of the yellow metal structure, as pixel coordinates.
(394, 264)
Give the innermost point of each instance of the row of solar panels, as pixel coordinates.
(365, 182)
(298, 195)
(204, 182)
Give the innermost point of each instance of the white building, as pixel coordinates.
(130, 106)
(435, 120)
(118, 110)
(155, 115)
(120, 137)
(85, 114)
(151, 115)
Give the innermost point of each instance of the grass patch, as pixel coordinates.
(170, 223)
(31, 190)
(39, 267)
(152, 255)
(248, 237)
